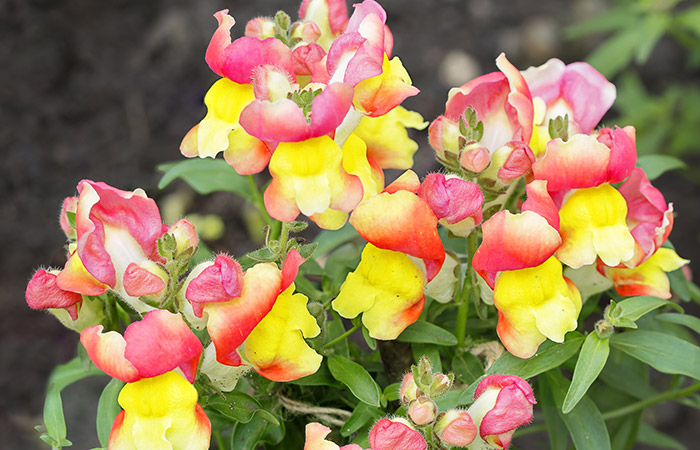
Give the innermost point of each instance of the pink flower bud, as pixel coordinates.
(455, 427)
(422, 411)
(185, 236)
(456, 202)
(260, 27)
(307, 31)
(502, 404)
(475, 158)
(395, 434)
(70, 205)
(408, 389)
(518, 163)
(145, 279)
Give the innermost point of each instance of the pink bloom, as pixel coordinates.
(455, 202)
(153, 346)
(649, 218)
(422, 411)
(575, 89)
(502, 102)
(43, 292)
(316, 439)
(392, 435)
(114, 229)
(456, 428)
(502, 404)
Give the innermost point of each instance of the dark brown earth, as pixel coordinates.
(106, 90)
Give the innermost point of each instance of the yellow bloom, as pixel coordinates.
(535, 304)
(160, 413)
(593, 224)
(387, 288)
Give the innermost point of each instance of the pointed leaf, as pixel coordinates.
(591, 361)
(549, 355)
(656, 165)
(205, 175)
(665, 353)
(356, 378)
(686, 320)
(107, 410)
(426, 333)
(585, 423)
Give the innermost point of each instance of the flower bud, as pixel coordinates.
(422, 411)
(70, 206)
(306, 31)
(441, 384)
(454, 201)
(260, 27)
(502, 404)
(474, 158)
(455, 427)
(407, 391)
(185, 236)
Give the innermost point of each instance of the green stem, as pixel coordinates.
(632, 407)
(468, 287)
(341, 337)
(259, 202)
(219, 439)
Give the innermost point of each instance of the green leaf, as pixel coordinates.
(391, 392)
(426, 333)
(665, 353)
(656, 438)
(467, 396)
(237, 406)
(61, 377)
(585, 423)
(356, 378)
(556, 430)
(262, 255)
(634, 308)
(549, 355)
(613, 20)
(616, 53)
(362, 414)
(591, 361)
(329, 240)
(656, 165)
(107, 410)
(467, 368)
(686, 320)
(307, 250)
(246, 436)
(371, 342)
(205, 175)
(322, 377)
(625, 435)
(679, 284)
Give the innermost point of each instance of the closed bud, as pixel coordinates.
(185, 237)
(407, 391)
(260, 27)
(441, 384)
(422, 411)
(67, 217)
(502, 404)
(456, 428)
(474, 158)
(306, 31)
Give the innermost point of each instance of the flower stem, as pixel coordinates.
(468, 288)
(219, 440)
(632, 407)
(341, 337)
(259, 202)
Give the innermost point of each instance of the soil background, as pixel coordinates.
(106, 90)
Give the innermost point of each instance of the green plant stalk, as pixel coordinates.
(219, 439)
(468, 286)
(632, 407)
(341, 337)
(260, 204)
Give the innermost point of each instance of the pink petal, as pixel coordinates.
(139, 281)
(219, 41)
(539, 201)
(43, 292)
(388, 435)
(238, 59)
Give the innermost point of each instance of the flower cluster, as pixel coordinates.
(536, 129)
(502, 403)
(124, 264)
(316, 101)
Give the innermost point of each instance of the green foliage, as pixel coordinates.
(591, 360)
(107, 410)
(205, 176)
(663, 352)
(356, 379)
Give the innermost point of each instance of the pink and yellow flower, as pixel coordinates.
(502, 403)
(160, 413)
(455, 427)
(157, 344)
(276, 348)
(648, 278)
(114, 229)
(534, 304)
(455, 202)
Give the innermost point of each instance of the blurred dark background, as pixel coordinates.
(106, 90)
